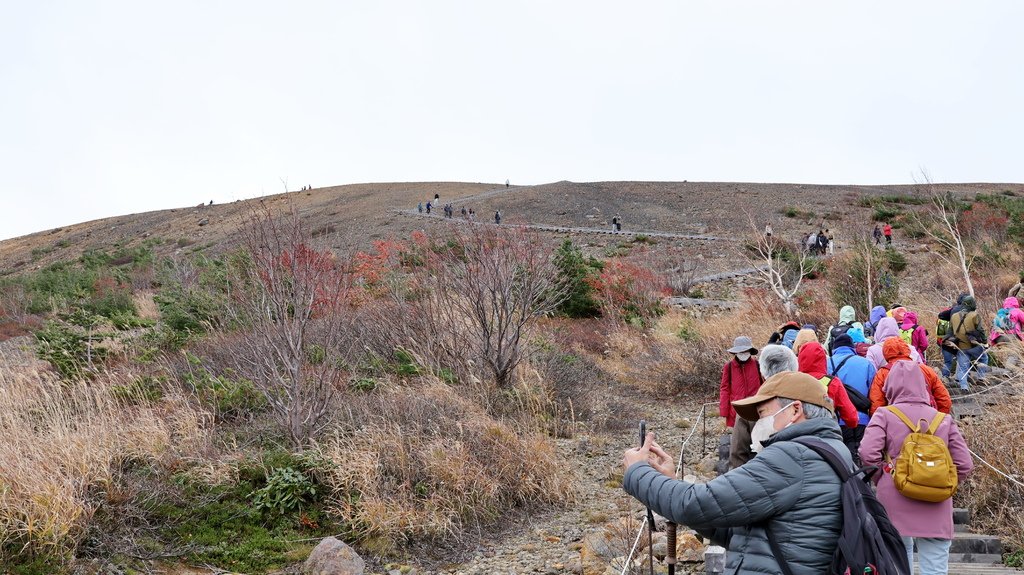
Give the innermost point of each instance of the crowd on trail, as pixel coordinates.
(823, 241)
(844, 453)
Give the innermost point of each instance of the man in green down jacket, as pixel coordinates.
(786, 488)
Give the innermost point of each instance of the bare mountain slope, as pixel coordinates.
(352, 216)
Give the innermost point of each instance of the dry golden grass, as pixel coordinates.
(997, 504)
(427, 462)
(62, 445)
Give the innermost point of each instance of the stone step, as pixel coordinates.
(980, 569)
(980, 559)
(976, 544)
(961, 515)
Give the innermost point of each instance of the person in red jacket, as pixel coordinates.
(887, 231)
(741, 378)
(814, 363)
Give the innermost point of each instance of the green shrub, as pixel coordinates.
(897, 262)
(145, 389)
(230, 398)
(847, 278)
(68, 348)
(287, 489)
(885, 213)
(577, 272)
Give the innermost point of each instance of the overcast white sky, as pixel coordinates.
(109, 108)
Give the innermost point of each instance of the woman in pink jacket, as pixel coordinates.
(919, 337)
(1016, 321)
(928, 524)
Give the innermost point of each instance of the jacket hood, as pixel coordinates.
(895, 348)
(960, 298)
(803, 336)
(812, 359)
(909, 320)
(847, 314)
(1011, 302)
(969, 303)
(886, 328)
(877, 313)
(856, 334)
(898, 314)
(905, 384)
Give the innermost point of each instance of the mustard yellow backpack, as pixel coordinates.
(924, 469)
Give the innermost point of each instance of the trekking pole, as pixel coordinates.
(650, 514)
(670, 532)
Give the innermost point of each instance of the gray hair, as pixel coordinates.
(776, 359)
(811, 411)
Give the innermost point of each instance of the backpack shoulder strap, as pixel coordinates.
(936, 422)
(841, 364)
(830, 456)
(903, 417)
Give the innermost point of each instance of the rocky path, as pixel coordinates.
(562, 229)
(604, 521)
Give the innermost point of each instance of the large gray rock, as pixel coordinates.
(332, 557)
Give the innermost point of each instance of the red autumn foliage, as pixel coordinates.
(983, 221)
(628, 289)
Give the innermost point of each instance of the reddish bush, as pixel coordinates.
(629, 290)
(982, 221)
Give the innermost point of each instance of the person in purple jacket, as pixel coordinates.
(928, 524)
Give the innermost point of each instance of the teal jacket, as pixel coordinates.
(786, 488)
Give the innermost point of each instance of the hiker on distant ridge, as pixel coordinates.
(497, 217)
(428, 208)
(877, 234)
(618, 223)
(419, 207)
(506, 182)
(615, 224)
(831, 236)
(887, 231)
(463, 211)
(768, 230)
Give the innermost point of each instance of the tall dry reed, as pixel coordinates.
(62, 445)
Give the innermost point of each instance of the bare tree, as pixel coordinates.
(782, 267)
(945, 217)
(479, 290)
(292, 298)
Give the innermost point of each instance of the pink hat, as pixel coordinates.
(909, 320)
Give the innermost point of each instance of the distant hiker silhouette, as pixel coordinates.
(497, 217)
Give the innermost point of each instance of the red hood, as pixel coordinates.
(812, 360)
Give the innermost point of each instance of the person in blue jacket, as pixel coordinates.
(857, 373)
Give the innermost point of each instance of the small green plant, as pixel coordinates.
(897, 261)
(287, 489)
(644, 239)
(687, 332)
(231, 398)
(146, 389)
(363, 384)
(405, 363)
(885, 213)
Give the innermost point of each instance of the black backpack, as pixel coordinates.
(836, 331)
(859, 401)
(868, 542)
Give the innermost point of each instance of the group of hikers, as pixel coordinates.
(806, 412)
(824, 241)
(449, 210)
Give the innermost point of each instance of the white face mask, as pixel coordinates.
(743, 356)
(765, 428)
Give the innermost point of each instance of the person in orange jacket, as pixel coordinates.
(895, 349)
(814, 362)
